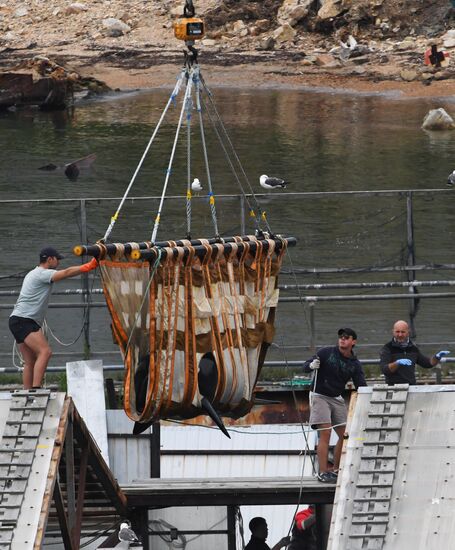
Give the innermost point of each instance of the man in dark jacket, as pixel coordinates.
(304, 530)
(259, 532)
(333, 366)
(400, 356)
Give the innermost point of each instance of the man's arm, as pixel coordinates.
(74, 270)
(321, 354)
(387, 365)
(359, 377)
(281, 543)
(425, 362)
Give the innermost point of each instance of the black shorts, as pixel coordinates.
(21, 327)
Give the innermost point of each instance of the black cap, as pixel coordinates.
(348, 332)
(49, 252)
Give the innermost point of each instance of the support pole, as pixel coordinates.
(242, 214)
(231, 538)
(70, 476)
(312, 306)
(410, 262)
(85, 285)
(155, 453)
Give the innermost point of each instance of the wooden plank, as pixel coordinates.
(64, 528)
(227, 491)
(52, 474)
(100, 468)
(76, 528)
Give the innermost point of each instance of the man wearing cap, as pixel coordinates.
(400, 356)
(28, 315)
(333, 366)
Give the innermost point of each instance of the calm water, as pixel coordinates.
(317, 141)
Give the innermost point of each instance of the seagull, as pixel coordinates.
(271, 183)
(196, 185)
(72, 169)
(126, 534)
(451, 179)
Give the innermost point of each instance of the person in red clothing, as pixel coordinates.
(304, 530)
(259, 532)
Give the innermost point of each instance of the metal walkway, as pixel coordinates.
(25, 451)
(397, 477)
(52, 474)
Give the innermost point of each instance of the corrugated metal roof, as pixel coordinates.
(419, 513)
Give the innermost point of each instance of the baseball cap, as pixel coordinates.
(347, 332)
(49, 252)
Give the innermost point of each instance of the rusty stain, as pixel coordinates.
(284, 412)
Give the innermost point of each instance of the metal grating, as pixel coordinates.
(17, 451)
(377, 467)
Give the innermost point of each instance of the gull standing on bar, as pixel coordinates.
(196, 185)
(272, 183)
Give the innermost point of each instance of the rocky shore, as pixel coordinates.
(378, 46)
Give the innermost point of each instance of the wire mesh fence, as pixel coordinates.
(344, 237)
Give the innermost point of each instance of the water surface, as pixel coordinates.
(319, 142)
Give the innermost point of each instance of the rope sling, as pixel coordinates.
(217, 307)
(193, 318)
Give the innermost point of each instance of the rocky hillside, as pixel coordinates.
(244, 24)
(379, 39)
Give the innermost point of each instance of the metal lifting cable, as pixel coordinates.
(220, 121)
(196, 78)
(189, 107)
(228, 158)
(174, 94)
(171, 160)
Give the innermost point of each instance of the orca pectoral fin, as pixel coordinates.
(207, 406)
(140, 427)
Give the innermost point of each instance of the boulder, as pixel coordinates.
(326, 60)
(330, 9)
(22, 11)
(438, 119)
(266, 44)
(114, 27)
(263, 24)
(293, 11)
(238, 26)
(408, 75)
(284, 33)
(77, 7)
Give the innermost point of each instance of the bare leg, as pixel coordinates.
(29, 361)
(323, 446)
(338, 447)
(37, 343)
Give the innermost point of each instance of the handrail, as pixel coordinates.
(322, 194)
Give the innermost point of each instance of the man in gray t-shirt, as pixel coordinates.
(28, 315)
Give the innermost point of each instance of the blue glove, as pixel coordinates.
(441, 354)
(404, 362)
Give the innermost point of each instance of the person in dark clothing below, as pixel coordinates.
(400, 356)
(334, 367)
(259, 532)
(304, 530)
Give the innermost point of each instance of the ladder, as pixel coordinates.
(17, 451)
(378, 462)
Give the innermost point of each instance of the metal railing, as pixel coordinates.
(297, 292)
